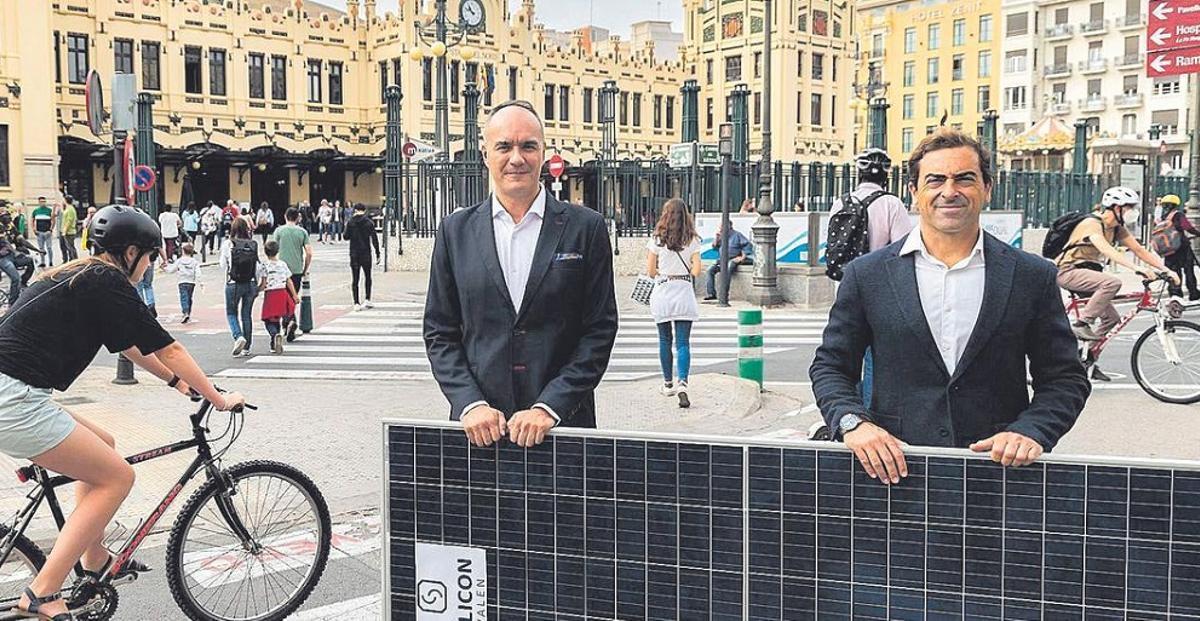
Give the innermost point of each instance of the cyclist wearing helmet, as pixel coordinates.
(887, 217)
(47, 339)
(1081, 265)
(1182, 260)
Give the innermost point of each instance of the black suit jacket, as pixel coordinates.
(552, 350)
(914, 397)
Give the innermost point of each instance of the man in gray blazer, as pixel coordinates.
(952, 315)
(520, 316)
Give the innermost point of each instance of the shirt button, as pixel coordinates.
(942, 431)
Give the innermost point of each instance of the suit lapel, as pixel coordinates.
(998, 276)
(902, 274)
(553, 224)
(485, 238)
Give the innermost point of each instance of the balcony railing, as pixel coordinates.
(1058, 70)
(1058, 108)
(1059, 31)
(1097, 26)
(1093, 104)
(1128, 100)
(1093, 65)
(1130, 21)
(1130, 61)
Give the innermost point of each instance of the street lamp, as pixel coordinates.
(608, 146)
(441, 34)
(764, 229)
(873, 95)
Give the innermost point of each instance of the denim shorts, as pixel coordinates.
(30, 423)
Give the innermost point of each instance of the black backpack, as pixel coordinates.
(849, 236)
(1060, 232)
(243, 260)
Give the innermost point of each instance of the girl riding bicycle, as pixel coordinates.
(47, 339)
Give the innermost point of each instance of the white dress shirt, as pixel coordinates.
(515, 246)
(950, 296)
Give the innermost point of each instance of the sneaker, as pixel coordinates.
(239, 345)
(667, 389)
(684, 402)
(1100, 376)
(277, 344)
(369, 304)
(186, 318)
(1083, 331)
(291, 331)
(246, 353)
(709, 298)
(357, 307)
(819, 431)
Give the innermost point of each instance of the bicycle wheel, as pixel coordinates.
(1167, 381)
(17, 571)
(214, 577)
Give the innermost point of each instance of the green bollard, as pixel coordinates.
(750, 345)
(306, 320)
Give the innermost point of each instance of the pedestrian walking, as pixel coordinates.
(85, 239)
(188, 269)
(210, 227)
(741, 253)
(145, 289)
(1172, 241)
(228, 214)
(360, 230)
(296, 251)
(170, 223)
(957, 320)
(243, 270)
(264, 222)
(325, 216)
(191, 224)
(68, 222)
(43, 229)
(520, 317)
(335, 230)
(280, 297)
(347, 213)
(673, 258)
(8, 255)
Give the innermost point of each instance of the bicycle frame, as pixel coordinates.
(1144, 302)
(46, 484)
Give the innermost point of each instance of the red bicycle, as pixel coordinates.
(1165, 358)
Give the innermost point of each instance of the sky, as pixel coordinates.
(616, 15)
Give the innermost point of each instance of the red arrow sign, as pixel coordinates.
(1173, 24)
(1172, 37)
(556, 166)
(1173, 62)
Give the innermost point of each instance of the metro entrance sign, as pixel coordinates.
(1173, 38)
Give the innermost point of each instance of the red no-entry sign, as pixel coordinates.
(556, 166)
(1173, 38)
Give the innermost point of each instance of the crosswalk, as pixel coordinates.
(385, 343)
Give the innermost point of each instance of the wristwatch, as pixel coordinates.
(849, 423)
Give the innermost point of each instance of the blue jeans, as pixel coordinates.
(186, 289)
(683, 346)
(243, 294)
(868, 378)
(14, 277)
(145, 288)
(45, 243)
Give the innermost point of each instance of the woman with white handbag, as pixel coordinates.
(673, 261)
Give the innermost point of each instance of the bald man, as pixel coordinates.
(520, 316)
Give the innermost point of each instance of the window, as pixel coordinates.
(833, 112)
(800, 64)
(216, 72)
(1094, 88)
(1129, 125)
(757, 65)
(1060, 56)
(57, 57)
(985, 28)
(757, 108)
(708, 116)
(383, 80)
(564, 103)
(587, 105)
(658, 112)
(1061, 16)
(278, 77)
(932, 67)
(907, 107)
(1129, 85)
(151, 77)
(1096, 13)
(1095, 52)
(877, 45)
(1016, 24)
(818, 68)
(670, 112)
(1133, 8)
(548, 103)
(455, 81)
(956, 102)
(1133, 45)
(931, 105)
(512, 83)
(799, 108)
(314, 80)
(708, 71)
(1058, 93)
(985, 63)
(956, 67)
(910, 40)
(4, 175)
(624, 108)
(191, 70)
(984, 99)
(489, 84)
(335, 83)
(77, 58)
(935, 36)
(833, 68)
(1014, 62)
(1015, 98)
(906, 137)
(637, 109)
(910, 71)
(123, 55)
(397, 72)
(257, 90)
(733, 68)
(427, 79)
(1167, 120)
(815, 111)
(959, 32)
(1166, 86)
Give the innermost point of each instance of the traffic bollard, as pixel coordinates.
(750, 345)
(124, 371)
(306, 313)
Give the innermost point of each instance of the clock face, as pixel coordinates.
(471, 12)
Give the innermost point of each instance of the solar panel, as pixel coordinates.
(619, 525)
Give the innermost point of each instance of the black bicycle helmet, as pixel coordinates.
(873, 161)
(117, 227)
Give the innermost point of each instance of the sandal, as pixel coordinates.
(132, 567)
(35, 605)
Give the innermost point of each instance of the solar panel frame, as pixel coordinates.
(1060, 514)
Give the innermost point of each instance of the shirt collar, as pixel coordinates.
(537, 209)
(915, 243)
(869, 185)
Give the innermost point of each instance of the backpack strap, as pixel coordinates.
(873, 196)
(1070, 247)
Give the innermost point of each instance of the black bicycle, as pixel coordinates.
(249, 545)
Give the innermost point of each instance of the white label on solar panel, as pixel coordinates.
(451, 583)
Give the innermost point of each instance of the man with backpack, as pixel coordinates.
(874, 218)
(1171, 240)
(243, 270)
(1079, 244)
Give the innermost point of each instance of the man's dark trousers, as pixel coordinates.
(711, 283)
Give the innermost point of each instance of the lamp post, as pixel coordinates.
(608, 147)
(441, 34)
(873, 93)
(764, 229)
(391, 176)
(691, 133)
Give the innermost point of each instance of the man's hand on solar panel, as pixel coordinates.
(1009, 449)
(484, 425)
(879, 452)
(528, 427)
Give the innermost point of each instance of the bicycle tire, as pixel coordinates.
(176, 580)
(1142, 381)
(30, 554)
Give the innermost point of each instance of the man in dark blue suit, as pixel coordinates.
(520, 316)
(952, 315)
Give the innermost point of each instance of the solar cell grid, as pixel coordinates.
(635, 526)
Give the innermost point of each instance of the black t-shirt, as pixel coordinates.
(54, 330)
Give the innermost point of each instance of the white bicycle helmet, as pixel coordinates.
(1119, 196)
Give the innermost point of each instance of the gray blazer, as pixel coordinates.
(914, 397)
